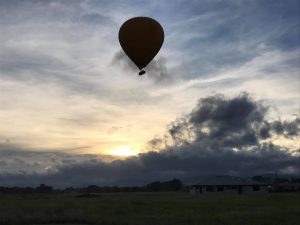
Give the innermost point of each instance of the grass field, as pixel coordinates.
(151, 208)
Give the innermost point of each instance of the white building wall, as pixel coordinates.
(205, 190)
(227, 190)
(247, 189)
(194, 191)
(230, 190)
(250, 189)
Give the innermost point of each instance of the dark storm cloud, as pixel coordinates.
(157, 69)
(226, 117)
(285, 128)
(16, 159)
(220, 136)
(218, 122)
(162, 166)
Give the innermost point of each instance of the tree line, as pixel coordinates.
(157, 186)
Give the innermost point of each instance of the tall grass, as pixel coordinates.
(152, 209)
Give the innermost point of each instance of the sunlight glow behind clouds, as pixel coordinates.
(60, 90)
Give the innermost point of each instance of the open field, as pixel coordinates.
(151, 208)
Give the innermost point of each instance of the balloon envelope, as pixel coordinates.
(141, 38)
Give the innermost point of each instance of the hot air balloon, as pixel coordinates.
(141, 39)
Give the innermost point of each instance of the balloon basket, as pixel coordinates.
(142, 72)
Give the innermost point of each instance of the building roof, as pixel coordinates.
(228, 181)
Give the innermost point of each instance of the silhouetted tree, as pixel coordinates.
(259, 178)
(173, 185)
(92, 189)
(44, 189)
(154, 186)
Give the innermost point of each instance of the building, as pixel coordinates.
(228, 185)
(285, 186)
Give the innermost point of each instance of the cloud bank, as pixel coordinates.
(220, 135)
(57, 75)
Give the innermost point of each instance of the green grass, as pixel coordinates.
(151, 208)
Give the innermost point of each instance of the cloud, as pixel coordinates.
(56, 77)
(152, 166)
(218, 35)
(217, 123)
(18, 160)
(156, 71)
(120, 58)
(96, 19)
(285, 128)
(56, 58)
(220, 135)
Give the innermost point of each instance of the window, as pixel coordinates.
(220, 188)
(209, 188)
(256, 188)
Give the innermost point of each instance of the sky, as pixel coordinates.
(221, 96)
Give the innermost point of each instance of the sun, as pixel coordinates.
(124, 151)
